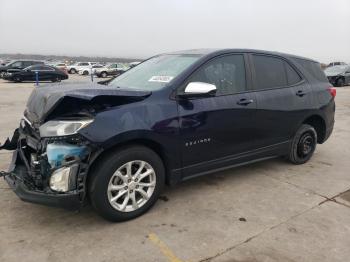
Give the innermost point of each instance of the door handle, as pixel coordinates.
(245, 102)
(300, 93)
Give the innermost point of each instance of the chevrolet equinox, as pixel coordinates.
(174, 116)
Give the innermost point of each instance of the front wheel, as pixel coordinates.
(126, 183)
(303, 145)
(17, 79)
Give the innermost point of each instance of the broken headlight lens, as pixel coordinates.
(62, 127)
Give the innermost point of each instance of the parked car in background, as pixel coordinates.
(338, 75)
(45, 73)
(173, 117)
(18, 65)
(74, 69)
(133, 64)
(336, 64)
(90, 70)
(111, 70)
(61, 66)
(4, 61)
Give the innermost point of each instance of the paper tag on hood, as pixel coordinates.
(163, 79)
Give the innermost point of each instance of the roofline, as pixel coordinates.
(218, 51)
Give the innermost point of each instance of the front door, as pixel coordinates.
(214, 129)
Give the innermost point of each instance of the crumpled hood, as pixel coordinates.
(72, 98)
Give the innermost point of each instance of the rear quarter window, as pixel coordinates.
(313, 68)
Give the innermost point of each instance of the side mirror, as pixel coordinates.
(198, 89)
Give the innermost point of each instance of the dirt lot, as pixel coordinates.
(268, 211)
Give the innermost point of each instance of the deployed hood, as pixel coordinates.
(48, 102)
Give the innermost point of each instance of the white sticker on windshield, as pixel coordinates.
(163, 79)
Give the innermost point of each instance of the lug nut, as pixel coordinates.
(126, 188)
(131, 191)
(135, 179)
(129, 180)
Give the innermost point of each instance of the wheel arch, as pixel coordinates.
(149, 143)
(319, 124)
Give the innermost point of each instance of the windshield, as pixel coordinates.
(335, 69)
(154, 73)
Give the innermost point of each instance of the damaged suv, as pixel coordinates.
(173, 117)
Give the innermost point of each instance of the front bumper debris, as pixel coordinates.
(30, 169)
(70, 201)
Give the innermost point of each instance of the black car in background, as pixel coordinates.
(338, 75)
(45, 73)
(18, 65)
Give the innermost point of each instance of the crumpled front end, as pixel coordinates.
(50, 171)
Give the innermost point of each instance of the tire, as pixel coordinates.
(72, 71)
(85, 73)
(103, 74)
(56, 79)
(17, 79)
(303, 145)
(340, 82)
(105, 175)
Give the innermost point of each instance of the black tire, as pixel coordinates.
(102, 173)
(72, 71)
(340, 82)
(103, 74)
(56, 79)
(303, 145)
(17, 79)
(85, 73)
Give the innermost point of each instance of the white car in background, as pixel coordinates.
(90, 70)
(73, 69)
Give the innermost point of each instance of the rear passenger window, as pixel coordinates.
(227, 73)
(292, 76)
(269, 72)
(313, 68)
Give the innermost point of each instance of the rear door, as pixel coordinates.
(282, 99)
(214, 129)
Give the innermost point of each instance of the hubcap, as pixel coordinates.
(131, 186)
(305, 145)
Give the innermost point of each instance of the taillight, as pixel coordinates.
(332, 91)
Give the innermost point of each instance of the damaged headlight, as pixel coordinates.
(63, 179)
(62, 127)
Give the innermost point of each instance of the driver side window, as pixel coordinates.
(227, 73)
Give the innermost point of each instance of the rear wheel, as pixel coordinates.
(103, 74)
(56, 79)
(85, 73)
(125, 184)
(72, 71)
(340, 82)
(303, 145)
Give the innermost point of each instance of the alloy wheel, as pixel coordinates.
(131, 186)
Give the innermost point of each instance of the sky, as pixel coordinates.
(318, 29)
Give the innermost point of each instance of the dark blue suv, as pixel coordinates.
(172, 117)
